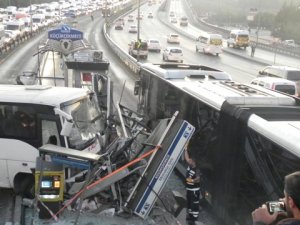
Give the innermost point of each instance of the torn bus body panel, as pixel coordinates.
(119, 175)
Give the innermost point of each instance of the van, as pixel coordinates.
(209, 43)
(238, 39)
(277, 84)
(17, 27)
(285, 72)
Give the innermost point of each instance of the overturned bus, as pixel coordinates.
(246, 138)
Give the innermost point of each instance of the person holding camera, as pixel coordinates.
(268, 213)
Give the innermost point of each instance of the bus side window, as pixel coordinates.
(50, 132)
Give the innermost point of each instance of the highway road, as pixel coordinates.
(239, 63)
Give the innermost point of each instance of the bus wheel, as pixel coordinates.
(217, 54)
(27, 187)
(196, 49)
(24, 185)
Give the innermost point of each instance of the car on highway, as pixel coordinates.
(150, 15)
(173, 20)
(140, 16)
(289, 43)
(173, 38)
(183, 21)
(133, 29)
(154, 45)
(172, 14)
(130, 18)
(277, 84)
(173, 54)
(118, 26)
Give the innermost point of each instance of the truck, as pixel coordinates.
(17, 28)
(138, 49)
(246, 137)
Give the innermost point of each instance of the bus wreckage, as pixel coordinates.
(125, 177)
(246, 137)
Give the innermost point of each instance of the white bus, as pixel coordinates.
(31, 116)
(209, 43)
(246, 137)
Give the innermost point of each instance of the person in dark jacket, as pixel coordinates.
(261, 216)
(192, 182)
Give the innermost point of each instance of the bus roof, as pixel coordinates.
(283, 133)
(210, 86)
(215, 93)
(182, 71)
(38, 94)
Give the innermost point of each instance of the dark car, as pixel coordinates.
(118, 26)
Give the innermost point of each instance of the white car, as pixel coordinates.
(173, 54)
(173, 20)
(150, 15)
(133, 29)
(154, 45)
(130, 18)
(173, 38)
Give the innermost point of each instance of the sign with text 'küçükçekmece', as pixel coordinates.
(65, 32)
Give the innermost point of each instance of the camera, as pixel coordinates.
(275, 206)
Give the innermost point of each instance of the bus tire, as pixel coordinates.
(24, 185)
(217, 54)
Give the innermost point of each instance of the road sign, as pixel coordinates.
(65, 32)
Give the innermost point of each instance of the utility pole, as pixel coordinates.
(30, 9)
(138, 30)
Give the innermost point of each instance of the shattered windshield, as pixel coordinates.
(88, 121)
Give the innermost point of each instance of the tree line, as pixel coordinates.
(284, 23)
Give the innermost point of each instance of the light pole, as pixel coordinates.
(138, 21)
(138, 31)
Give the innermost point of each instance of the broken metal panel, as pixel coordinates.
(162, 164)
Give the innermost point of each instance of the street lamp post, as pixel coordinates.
(138, 31)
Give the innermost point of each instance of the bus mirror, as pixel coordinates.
(67, 128)
(137, 87)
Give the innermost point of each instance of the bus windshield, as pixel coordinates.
(87, 122)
